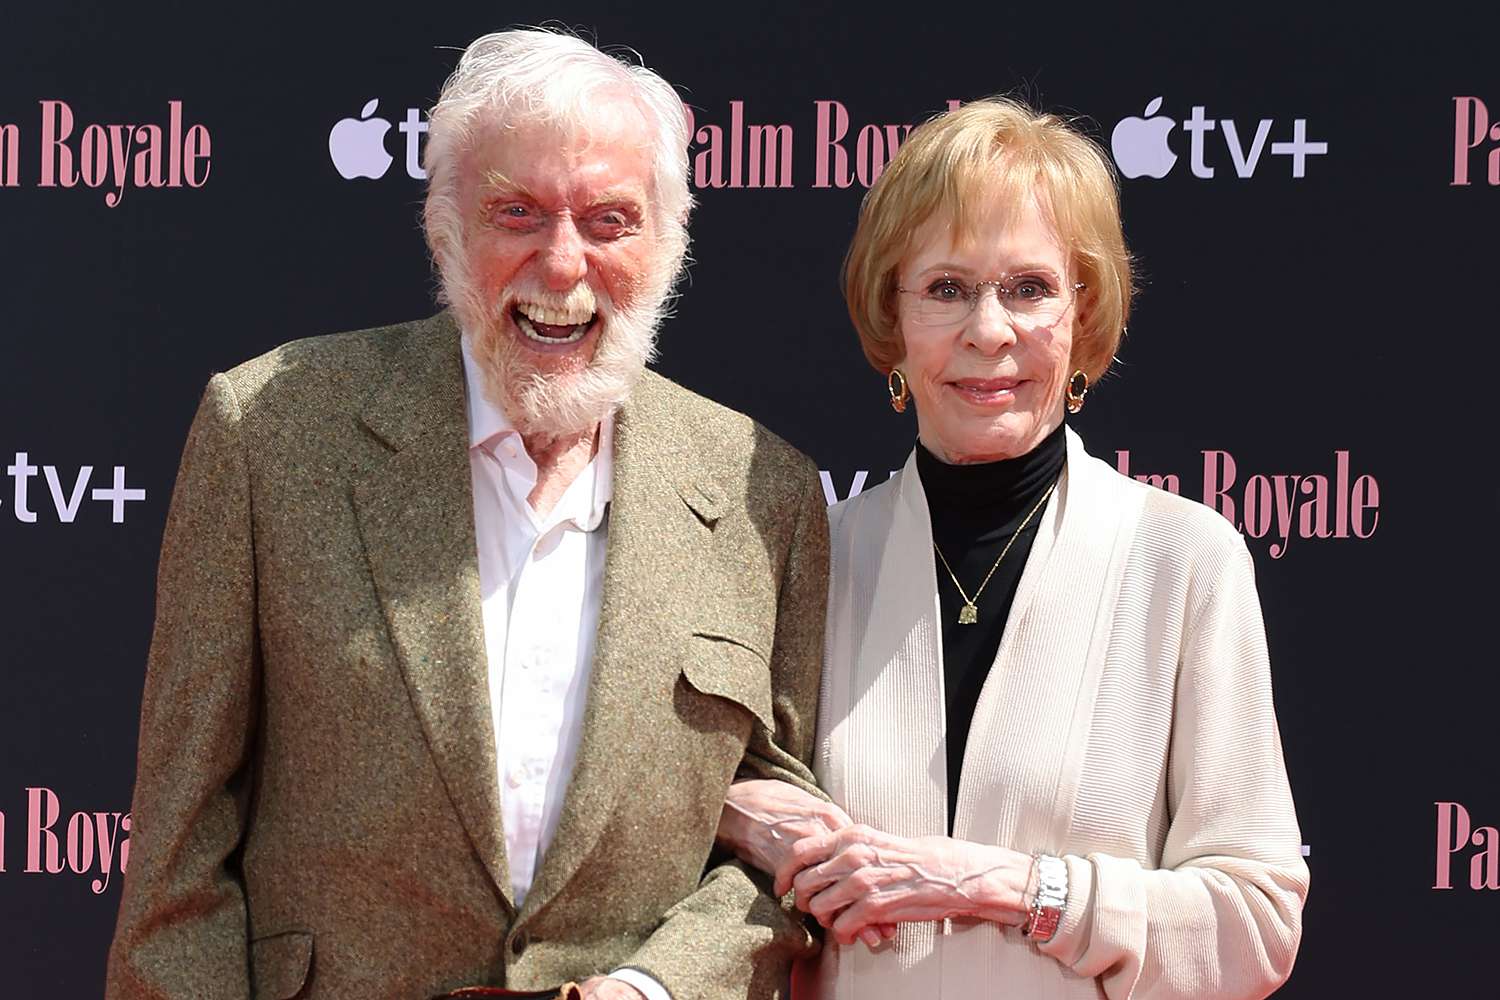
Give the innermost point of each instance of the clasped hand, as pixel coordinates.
(763, 821)
(859, 877)
(859, 882)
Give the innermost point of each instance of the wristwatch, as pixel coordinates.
(1051, 898)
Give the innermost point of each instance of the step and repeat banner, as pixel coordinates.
(1313, 200)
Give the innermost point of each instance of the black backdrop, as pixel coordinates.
(1284, 320)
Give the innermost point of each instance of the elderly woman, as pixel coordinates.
(1046, 699)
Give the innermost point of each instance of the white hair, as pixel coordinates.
(535, 75)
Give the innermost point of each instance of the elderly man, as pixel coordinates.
(465, 625)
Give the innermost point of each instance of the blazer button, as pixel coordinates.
(518, 944)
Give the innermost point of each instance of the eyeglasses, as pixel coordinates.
(1031, 298)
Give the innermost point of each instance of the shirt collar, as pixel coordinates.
(587, 497)
(486, 420)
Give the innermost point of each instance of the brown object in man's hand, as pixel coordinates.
(567, 991)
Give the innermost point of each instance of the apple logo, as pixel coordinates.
(1140, 144)
(357, 146)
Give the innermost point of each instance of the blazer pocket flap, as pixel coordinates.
(280, 963)
(728, 667)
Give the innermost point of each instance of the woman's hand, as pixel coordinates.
(859, 877)
(763, 819)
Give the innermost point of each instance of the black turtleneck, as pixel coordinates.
(975, 510)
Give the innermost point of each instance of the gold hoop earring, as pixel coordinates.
(895, 384)
(1077, 391)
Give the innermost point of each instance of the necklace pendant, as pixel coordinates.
(968, 615)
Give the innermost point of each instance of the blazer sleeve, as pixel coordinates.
(1222, 917)
(181, 930)
(732, 938)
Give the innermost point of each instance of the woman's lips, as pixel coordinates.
(987, 391)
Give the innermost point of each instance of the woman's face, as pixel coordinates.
(988, 384)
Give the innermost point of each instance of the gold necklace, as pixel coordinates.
(969, 613)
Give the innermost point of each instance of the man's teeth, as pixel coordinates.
(553, 316)
(531, 334)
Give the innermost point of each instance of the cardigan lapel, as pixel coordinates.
(896, 661)
(657, 567)
(885, 745)
(416, 517)
(1049, 661)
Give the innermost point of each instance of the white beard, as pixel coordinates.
(547, 406)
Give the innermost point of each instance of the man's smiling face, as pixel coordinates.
(562, 253)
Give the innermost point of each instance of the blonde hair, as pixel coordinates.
(994, 150)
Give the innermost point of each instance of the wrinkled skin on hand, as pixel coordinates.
(859, 877)
(604, 988)
(764, 820)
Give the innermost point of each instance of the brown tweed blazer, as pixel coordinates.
(316, 811)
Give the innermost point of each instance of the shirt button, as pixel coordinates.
(518, 944)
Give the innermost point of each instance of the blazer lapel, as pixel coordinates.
(416, 517)
(661, 522)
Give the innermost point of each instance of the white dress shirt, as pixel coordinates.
(542, 580)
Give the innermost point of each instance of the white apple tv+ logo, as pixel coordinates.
(1141, 149)
(1140, 144)
(357, 145)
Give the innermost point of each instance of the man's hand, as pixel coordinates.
(605, 988)
(860, 877)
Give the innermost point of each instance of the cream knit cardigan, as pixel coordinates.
(1126, 725)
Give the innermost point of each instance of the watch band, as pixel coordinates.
(1051, 899)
